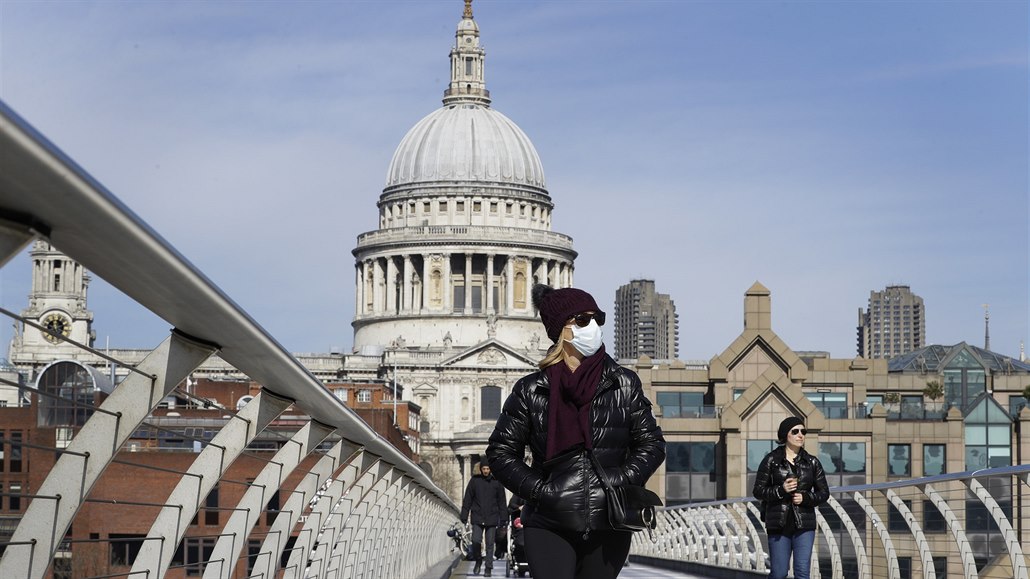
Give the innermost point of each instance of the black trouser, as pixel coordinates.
(501, 548)
(566, 555)
(481, 546)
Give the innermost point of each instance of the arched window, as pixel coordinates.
(520, 290)
(964, 380)
(489, 402)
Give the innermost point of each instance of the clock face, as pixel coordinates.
(56, 325)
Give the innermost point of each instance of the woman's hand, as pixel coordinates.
(791, 484)
(797, 498)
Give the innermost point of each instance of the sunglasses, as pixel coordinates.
(798, 431)
(583, 320)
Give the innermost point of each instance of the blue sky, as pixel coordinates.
(825, 149)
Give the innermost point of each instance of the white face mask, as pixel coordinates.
(587, 340)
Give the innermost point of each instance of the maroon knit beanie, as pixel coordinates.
(558, 305)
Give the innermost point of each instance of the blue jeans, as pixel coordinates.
(780, 549)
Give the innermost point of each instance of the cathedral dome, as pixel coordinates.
(465, 141)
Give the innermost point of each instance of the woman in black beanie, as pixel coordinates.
(791, 484)
(580, 405)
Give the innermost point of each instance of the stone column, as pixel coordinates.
(377, 286)
(406, 297)
(359, 288)
(509, 295)
(539, 272)
(425, 282)
(448, 284)
(468, 283)
(391, 285)
(489, 283)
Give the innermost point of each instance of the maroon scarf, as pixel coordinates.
(568, 409)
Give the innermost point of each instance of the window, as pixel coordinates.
(364, 395)
(443, 207)
(690, 472)
(459, 206)
(489, 402)
(843, 462)
(124, 548)
(272, 509)
(197, 553)
(988, 435)
(964, 380)
(211, 507)
(895, 520)
(1016, 405)
(934, 459)
(426, 207)
(684, 405)
(468, 66)
(933, 520)
(477, 206)
(905, 566)
(15, 462)
(14, 500)
(458, 302)
(899, 460)
(831, 404)
(940, 567)
(911, 407)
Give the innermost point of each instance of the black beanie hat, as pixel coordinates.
(785, 426)
(558, 305)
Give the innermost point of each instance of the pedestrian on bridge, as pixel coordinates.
(791, 484)
(580, 405)
(484, 501)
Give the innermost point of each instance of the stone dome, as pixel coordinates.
(466, 142)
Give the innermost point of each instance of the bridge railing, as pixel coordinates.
(332, 499)
(970, 524)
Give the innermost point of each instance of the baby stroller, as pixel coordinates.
(518, 565)
(462, 541)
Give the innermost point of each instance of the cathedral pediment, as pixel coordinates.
(490, 354)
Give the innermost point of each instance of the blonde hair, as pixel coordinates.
(555, 354)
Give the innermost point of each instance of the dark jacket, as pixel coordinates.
(565, 493)
(484, 497)
(773, 471)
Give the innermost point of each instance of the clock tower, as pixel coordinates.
(57, 302)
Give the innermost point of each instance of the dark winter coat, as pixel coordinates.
(772, 473)
(484, 498)
(564, 492)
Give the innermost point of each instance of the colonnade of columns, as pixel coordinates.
(466, 282)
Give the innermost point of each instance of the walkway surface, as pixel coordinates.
(631, 571)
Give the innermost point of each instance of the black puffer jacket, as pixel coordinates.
(773, 471)
(627, 442)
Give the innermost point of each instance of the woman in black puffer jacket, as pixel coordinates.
(791, 484)
(580, 402)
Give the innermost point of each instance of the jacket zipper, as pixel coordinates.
(586, 498)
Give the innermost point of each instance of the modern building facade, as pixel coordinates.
(646, 323)
(894, 324)
(939, 409)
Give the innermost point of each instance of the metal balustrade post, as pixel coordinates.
(92, 450)
(336, 524)
(352, 548)
(1011, 539)
(318, 520)
(864, 570)
(252, 504)
(893, 570)
(955, 528)
(925, 555)
(836, 564)
(209, 466)
(340, 454)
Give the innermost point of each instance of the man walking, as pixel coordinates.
(484, 499)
